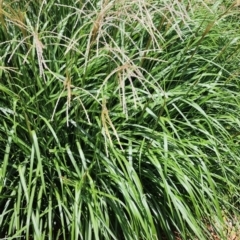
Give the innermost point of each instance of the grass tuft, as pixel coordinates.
(119, 119)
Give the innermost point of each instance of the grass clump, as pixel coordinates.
(119, 119)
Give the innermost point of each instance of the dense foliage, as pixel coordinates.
(119, 119)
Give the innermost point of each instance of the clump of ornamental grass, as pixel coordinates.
(119, 119)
